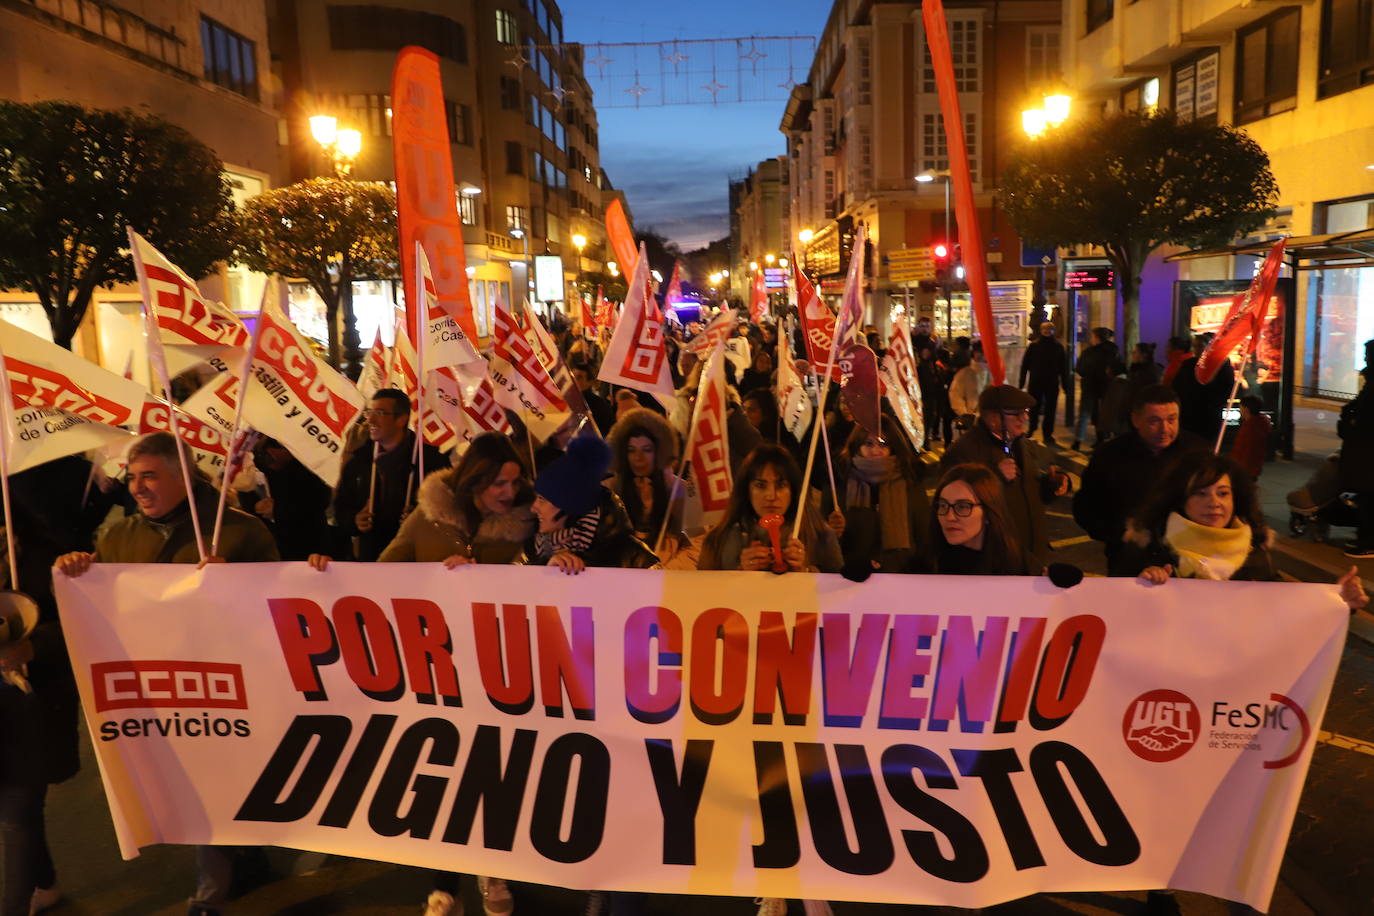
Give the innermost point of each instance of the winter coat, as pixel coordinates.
(1096, 367)
(1026, 495)
(1251, 447)
(1199, 405)
(1356, 429)
(1046, 363)
(1141, 549)
(967, 385)
(394, 469)
(437, 530)
(1120, 475)
(825, 554)
(139, 539)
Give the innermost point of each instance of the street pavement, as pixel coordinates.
(1328, 869)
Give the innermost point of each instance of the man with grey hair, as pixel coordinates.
(162, 532)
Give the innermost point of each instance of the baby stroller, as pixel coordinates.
(1320, 503)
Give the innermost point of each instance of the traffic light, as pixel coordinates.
(940, 255)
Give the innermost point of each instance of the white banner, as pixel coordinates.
(727, 733)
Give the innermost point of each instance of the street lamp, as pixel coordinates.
(341, 146)
(469, 190)
(579, 242)
(1053, 111)
(614, 268)
(518, 232)
(805, 236)
(927, 177)
(769, 258)
(754, 265)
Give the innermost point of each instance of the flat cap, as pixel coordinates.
(1004, 397)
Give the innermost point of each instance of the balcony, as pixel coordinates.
(499, 242)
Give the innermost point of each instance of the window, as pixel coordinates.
(1099, 12)
(1042, 55)
(510, 93)
(380, 28)
(459, 118)
(515, 158)
(517, 218)
(963, 46)
(506, 30)
(467, 209)
(1267, 66)
(1347, 46)
(1195, 87)
(934, 154)
(230, 59)
(369, 113)
(1142, 96)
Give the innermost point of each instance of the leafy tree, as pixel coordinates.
(329, 232)
(612, 287)
(662, 252)
(1131, 182)
(72, 178)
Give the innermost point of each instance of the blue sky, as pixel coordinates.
(674, 161)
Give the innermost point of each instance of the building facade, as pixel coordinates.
(762, 209)
(202, 65)
(1299, 78)
(521, 117)
(867, 122)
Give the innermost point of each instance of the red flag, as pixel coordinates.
(1246, 316)
(588, 318)
(674, 293)
(424, 187)
(605, 315)
(758, 300)
(859, 386)
(818, 322)
(622, 239)
(965, 207)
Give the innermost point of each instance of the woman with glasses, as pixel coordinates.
(769, 482)
(970, 532)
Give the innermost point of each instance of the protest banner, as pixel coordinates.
(726, 733)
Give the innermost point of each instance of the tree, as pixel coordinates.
(329, 232)
(72, 179)
(1131, 182)
(662, 253)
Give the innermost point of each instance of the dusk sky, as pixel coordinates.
(674, 161)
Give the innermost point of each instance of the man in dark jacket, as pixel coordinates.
(1199, 405)
(373, 512)
(1046, 365)
(1097, 365)
(998, 442)
(163, 532)
(1356, 429)
(1123, 472)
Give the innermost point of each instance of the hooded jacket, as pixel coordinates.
(665, 455)
(437, 529)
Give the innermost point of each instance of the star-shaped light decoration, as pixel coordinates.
(600, 61)
(638, 90)
(754, 56)
(519, 62)
(715, 87)
(676, 58)
(559, 93)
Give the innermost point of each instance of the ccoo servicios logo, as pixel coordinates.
(207, 687)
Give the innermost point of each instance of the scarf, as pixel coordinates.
(1207, 553)
(893, 516)
(574, 538)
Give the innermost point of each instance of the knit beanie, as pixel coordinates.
(573, 482)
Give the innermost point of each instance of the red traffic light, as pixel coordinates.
(940, 251)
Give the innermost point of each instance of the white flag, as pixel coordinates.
(447, 343)
(189, 329)
(709, 451)
(521, 382)
(404, 377)
(904, 405)
(794, 401)
(635, 357)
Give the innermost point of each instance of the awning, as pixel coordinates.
(1335, 246)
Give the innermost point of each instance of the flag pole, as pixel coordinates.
(153, 341)
(247, 367)
(683, 462)
(422, 326)
(6, 428)
(1231, 401)
(829, 459)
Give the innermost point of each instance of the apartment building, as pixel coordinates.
(1299, 78)
(202, 65)
(867, 122)
(522, 124)
(763, 211)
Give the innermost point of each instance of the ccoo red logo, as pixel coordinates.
(1161, 725)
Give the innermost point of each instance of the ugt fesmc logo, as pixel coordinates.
(1161, 725)
(167, 684)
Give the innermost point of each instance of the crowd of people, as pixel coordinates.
(969, 500)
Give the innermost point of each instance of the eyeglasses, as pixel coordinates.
(376, 412)
(962, 508)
